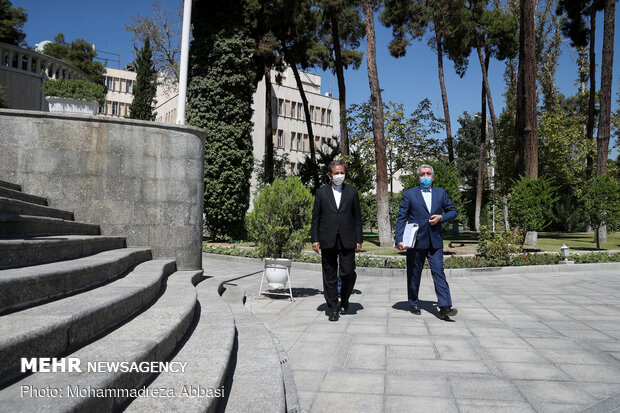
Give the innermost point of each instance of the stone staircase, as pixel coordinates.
(67, 292)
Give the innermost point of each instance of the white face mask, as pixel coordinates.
(338, 179)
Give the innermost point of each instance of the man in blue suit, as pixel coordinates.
(428, 207)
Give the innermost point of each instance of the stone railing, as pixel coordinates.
(37, 64)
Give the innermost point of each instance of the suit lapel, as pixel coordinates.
(418, 193)
(332, 197)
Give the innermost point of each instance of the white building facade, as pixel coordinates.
(289, 129)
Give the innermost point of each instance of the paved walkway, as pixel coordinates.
(542, 342)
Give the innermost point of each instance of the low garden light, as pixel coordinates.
(565, 253)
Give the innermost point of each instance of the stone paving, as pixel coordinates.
(523, 342)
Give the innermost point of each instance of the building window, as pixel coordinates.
(293, 141)
(299, 111)
(305, 143)
(311, 113)
(299, 146)
(129, 86)
(323, 144)
(293, 109)
(115, 108)
(280, 106)
(329, 117)
(109, 82)
(280, 138)
(322, 115)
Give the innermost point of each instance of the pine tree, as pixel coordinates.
(145, 87)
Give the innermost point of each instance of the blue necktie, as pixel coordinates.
(426, 189)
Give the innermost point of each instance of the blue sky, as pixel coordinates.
(406, 80)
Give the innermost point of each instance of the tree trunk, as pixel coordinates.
(528, 67)
(444, 97)
(604, 123)
(342, 93)
(526, 100)
(383, 210)
(592, 97)
(505, 212)
(481, 157)
(268, 129)
(607, 63)
(485, 79)
(304, 100)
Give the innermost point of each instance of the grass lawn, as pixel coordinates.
(466, 242)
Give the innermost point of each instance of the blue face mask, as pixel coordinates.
(426, 181)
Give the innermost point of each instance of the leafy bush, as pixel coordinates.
(502, 245)
(75, 89)
(600, 202)
(530, 204)
(280, 221)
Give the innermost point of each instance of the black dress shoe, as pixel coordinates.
(334, 316)
(415, 310)
(446, 312)
(344, 307)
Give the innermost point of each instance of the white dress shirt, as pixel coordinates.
(428, 198)
(337, 190)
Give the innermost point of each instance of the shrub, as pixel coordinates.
(497, 245)
(280, 221)
(530, 204)
(75, 89)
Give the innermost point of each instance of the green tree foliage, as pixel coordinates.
(12, 21)
(340, 31)
(78, 53)
(145, 88)
(531, 204)
(281, 218)
(220, 94)
(600, 203)
(563, 154)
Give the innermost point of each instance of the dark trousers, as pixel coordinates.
(415, 264)
(329, 259)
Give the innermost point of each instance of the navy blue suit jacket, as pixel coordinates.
(413, 209)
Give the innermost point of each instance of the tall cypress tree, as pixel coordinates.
(145, 88)
(219, 100)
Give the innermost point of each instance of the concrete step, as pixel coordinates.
(207, 351)
(149, 337)
(62, 326)
(21, 252)
(24, 287)
(255, 380)
(19, 195)
(17, 207)
(10, 185)
(34, 226)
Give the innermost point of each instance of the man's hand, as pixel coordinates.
(358, 246)
(401, 246)
(316, 246)
(435, 219)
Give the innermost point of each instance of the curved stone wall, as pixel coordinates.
(141, 180)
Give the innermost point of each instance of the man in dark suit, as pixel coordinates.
(428, 207)
(337, 233)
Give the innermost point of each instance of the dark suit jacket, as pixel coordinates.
(413, 209)
(328, 221)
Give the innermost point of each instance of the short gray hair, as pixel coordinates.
(335, 162)
(426, 166)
